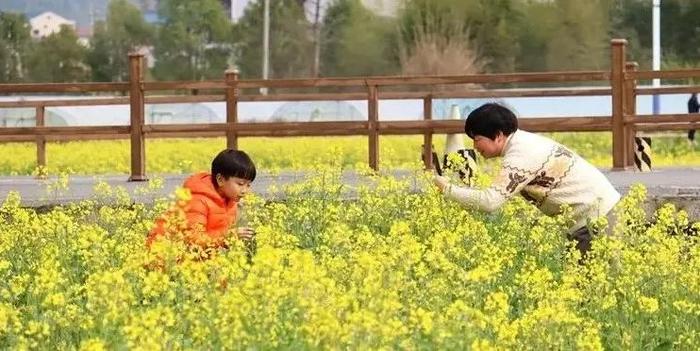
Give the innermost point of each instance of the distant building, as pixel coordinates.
(48, 23)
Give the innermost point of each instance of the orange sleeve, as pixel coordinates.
(197, 217)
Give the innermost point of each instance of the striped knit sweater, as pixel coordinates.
(548, 175)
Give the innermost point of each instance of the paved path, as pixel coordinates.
(681, 185)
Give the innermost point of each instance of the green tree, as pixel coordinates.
(490, 27)
(15, 42)
(533, 38)
(580, 35)
(193, 41)
(59, 58)
(291, 46)
(123, 31)
(494, 26)
(357, 42)
(680, 30)
(623, 15)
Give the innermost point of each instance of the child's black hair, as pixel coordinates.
(233, 163)
(489, 119)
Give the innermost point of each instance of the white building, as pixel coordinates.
(48, 23)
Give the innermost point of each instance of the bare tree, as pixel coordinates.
(440, 47)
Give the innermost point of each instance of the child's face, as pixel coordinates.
(489, 148)
(233, 188)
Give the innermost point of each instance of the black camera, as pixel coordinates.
(465, 165)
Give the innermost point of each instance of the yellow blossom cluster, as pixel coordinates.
(372, 267)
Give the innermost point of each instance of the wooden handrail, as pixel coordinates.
(418, 95)
(666, 74)
(62, 87)
(663, 119)
(45, 131)
(688, 89)
(498, 78)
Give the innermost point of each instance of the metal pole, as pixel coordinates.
(266, 44)
(317, 40)
(656, 51)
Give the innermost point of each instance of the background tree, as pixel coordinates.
(59, 58)
(193, 40)
(437, 43)
(123, 31)
(680, 30)
(291, 45)
(15, 42)
(490, 27)
(494, 27)
(533, 37)
(356, 41)
(579, 35)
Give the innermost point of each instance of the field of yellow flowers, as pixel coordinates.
(192, 155)
(388, 268)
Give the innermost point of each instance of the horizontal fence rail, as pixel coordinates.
(620, 83)
(667, 74)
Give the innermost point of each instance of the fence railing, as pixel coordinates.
(623, 122)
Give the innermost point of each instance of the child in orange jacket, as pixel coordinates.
(212, 208)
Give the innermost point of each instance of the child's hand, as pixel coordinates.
(441, 182)
(246, 233)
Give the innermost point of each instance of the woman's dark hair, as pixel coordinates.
(489, 119)
(233, 163)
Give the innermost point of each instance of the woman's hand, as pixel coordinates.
(246, 233)
(441, 182)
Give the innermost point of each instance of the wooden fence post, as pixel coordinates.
(617, 83)
(630, 112)
(231, 78)
(373, 119)
(136, 102)
(428, 135)
(40, 139)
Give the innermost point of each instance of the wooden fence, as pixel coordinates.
(622, 79)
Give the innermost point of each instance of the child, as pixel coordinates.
(541, 170)
(212, 208)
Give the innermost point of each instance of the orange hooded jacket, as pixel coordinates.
(209, 215)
